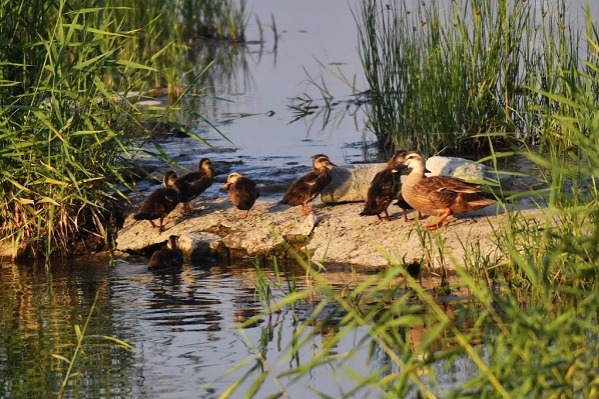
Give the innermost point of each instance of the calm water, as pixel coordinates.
(184, 325)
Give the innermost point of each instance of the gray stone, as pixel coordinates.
(462, 168)
(350, 183)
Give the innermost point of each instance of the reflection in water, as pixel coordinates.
(183, 326)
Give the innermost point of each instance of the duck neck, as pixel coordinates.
(415, 175)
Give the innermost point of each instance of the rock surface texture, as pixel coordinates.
(336, 236)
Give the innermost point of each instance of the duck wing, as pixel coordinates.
(192, 184)
(306, 188)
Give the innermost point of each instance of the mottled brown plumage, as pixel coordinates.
(308, 186)
(384, 188)
(193, 184)
(160, 202)
(167, 258)
(439, 195)
(242, 192)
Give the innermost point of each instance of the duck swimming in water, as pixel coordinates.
(242, 192)
(384, 188)
(160, 202)
(167, 258)
(439, 196)
(192, 184)
(308, 186)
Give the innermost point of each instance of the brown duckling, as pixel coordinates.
(242, 192)
(193, 184)
(439, 195)
(308, 186)
(170, 257)
(384, 188)
(160, 202)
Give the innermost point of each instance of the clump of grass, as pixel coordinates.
(439, 76)
(68, 72)
(61, 158)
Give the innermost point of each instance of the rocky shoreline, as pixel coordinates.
(335, 235)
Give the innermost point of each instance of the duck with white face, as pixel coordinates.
(243, 192)
(439, 196)
(308, 186)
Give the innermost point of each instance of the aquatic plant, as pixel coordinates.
(439, 76)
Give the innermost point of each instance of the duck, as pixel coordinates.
(170, 257)
(160, 202)
(242, 192)
(307, 187)
(439, 196)
(192, 184)
(385, 187)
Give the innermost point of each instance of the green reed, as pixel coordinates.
(441, 74)
(214, 19)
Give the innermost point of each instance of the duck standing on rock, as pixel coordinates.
(308, 186)
(439, 195)
(242, 192)
(193, 184)
(384, 188)
(160, 202)
(170, 257)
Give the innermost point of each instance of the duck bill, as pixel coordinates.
(401, 169)
(225, 186)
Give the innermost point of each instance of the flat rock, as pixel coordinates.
(334, 236)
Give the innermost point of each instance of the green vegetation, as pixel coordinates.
(439, 75)
(69, 74)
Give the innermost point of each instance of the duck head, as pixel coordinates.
(415, 162)
(168, 181)
(321, 161)
(205, 166)
(398, 158)
(172, 243)
(231, 179)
